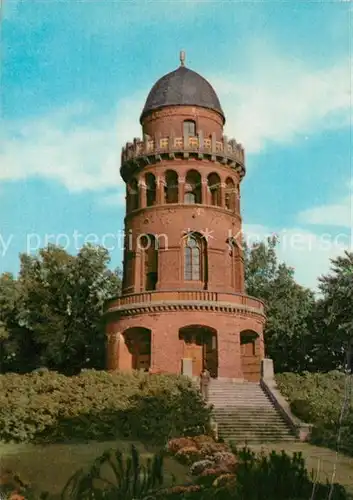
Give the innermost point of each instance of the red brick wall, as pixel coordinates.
(167, 348)
(170, 119)
(173, 220)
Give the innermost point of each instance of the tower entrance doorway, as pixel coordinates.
(200, 345)
(138, 342)
(250, 359)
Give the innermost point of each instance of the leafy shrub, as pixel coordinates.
(225, 458)
(317, 398)
(200, 466)
(174, 445)
(188, 455)
(208, 449)
(50, 407)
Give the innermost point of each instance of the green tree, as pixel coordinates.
(53, 316)
(333, 318)
(288, 306)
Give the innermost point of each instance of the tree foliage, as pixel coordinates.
(288, 306)
(51, 314)
(332, 333)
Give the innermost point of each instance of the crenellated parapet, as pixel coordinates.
(140, 153)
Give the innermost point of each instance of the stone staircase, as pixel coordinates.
(245, 414)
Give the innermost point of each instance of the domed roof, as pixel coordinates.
(182, 87)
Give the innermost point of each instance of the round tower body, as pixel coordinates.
(183, 305)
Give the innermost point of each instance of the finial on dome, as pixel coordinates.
(182, 58)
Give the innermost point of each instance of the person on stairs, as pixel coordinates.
(205, 378)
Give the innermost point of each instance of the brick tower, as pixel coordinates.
(183, 305)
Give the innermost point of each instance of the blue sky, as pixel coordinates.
(74, 79)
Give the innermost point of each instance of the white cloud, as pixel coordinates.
(278, 100)
(71, 146)
(307, 252)
(336, 214)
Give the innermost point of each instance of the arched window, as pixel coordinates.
(230, 195)
(149, 249)
(235, 257)
(195, 258)
(189, 129)
(151, 189)
(192, 192)
(214, 185)
(132, 195)
(171, 187)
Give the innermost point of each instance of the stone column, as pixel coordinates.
(223, 195)
(181, 189)
(160, 191)
(142, 194)
(205, 192)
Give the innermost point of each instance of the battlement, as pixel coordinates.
(226, 151)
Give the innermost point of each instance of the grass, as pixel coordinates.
(49, 466)
(321, 461)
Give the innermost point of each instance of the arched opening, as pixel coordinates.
(195, 258)
(189, 128)
(149, 250)
(230, 195)
(138, 344)
(214, 185)
(250, 355)
(171, 187)
(200, 346)
(132, 195)
(151, 189)
(192, 188)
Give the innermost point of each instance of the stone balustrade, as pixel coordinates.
(229, 152)
(186, 296)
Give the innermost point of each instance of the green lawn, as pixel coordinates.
(50, 466)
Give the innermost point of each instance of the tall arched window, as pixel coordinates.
(149, 249)
(195, 258)
(214, 185)
(151, 189)
(189, 128)
(171, 187)
(132, 195)
(193, 185)
(235, 256)
(230, 195)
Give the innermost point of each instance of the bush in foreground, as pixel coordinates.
(51, 407)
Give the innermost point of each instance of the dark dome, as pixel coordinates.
(182, 87)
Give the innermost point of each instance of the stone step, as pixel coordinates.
(243, 421)
(244, 413)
